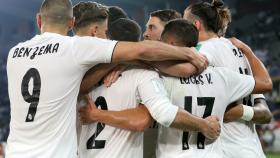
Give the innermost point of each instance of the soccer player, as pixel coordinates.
(173, 142)
(136, 85)
(44, 74)
(154, 28)
(157, 21)
(91, 18)
(153, 31)
(239, 140)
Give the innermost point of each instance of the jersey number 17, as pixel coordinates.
(201, 101)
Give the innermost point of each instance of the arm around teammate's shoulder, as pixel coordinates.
(260, 73)
(135, 119)
(155, 51)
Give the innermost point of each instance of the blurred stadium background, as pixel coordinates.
(254, 21)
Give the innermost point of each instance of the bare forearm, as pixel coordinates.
(233, 113)
(150, 51)
(158, 51)
(187, 122)
(136, 119)
(175, 68)
(93, 76)
(263, 80)
(262, 114)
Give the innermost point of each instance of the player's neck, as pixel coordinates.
(203, 36)
(56, 29)
(83, 33)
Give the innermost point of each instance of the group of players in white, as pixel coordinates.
(120, 85)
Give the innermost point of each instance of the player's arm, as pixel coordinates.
(261, 112)
(175, 68)
(139, 119)
(172, 68)
(210, 126)
(93, 76)
(262, 78)
(152, 94)
(156, 51)
(135, 119)
(93, 50)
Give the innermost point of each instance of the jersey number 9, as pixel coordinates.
(34, 98)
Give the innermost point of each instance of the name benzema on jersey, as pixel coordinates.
(198, 79)
(32, 52)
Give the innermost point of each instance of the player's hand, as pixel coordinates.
(199, 61)
(114, 75)
(213, 127)
(88, 112)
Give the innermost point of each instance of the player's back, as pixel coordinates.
(237, 134)
(104, 141)
(203, 95)
(44, 75)
(222, 53)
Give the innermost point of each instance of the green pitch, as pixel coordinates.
(273, 155)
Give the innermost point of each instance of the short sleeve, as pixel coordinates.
(153, 96)
(168, 85)
(90, 51)
(237, 85)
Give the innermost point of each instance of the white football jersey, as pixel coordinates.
(44, 76)
(203, 95)
(247, 146)
(133, 87)
(221, 52)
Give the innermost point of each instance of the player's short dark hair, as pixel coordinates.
(56, 11)
(116, 13)
(87, 13)
(184, 31)
(166, 15)
(124, 30)
(214, 16)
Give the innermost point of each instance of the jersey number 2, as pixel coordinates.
(201, 101)
(92, 143)
(34, 98)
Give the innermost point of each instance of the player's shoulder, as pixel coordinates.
(228, 76)
(214, 42)
(88, 38)
(223, 73)
(209, 46)
(25, 43)
(205, 44)
(39, 39)
(225, 40)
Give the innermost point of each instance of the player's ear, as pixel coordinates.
(171, 42)
(198, 24)
(39, 20)
(93, 30)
